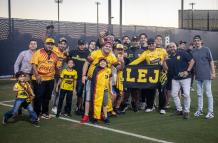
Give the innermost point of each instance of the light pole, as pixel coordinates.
(111, 30)
(192, 4)
(58, 2)
(97, 3)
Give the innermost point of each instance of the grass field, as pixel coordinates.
(129, 128)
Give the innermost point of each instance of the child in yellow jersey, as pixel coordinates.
(24, 96)
(100, 84)
(119, 52)
(67, 82)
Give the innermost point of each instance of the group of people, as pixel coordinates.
(94, 73)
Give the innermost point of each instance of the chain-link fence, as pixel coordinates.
(15, 38)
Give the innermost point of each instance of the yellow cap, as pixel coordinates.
(49, 40)
(119, 46)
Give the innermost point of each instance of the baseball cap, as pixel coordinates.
(81, 42)
(150, 41)
(49, 40)
(197, 37)
(182, 42)
(119, 46)
(135, 38)
(62, 39)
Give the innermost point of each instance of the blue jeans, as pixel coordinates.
(17, 104)
(208, 91)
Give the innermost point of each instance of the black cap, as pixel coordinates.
(135, 38)
(150, 41)
(81, 42)
(197, 37)
(182, 42)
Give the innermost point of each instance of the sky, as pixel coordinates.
(162, 13)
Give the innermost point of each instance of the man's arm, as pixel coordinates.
(18, 62)
(213, 72)
(35, 72)
(85, 69)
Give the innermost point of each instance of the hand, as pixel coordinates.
(213, 76)
(84, 78)
(57, 89)
(102, 34)
(38, 79)
(185, 73)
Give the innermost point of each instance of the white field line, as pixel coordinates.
(7, 101)
(106, 128)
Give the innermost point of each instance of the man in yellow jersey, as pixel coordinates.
(152, 56)
(106, 53)
(44, 63)
(61, 52)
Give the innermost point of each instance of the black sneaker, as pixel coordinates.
(57, 115)
(179, 113)
(35, 124)
(95, 121)
(4, 121)
(185, 115)
(106, 121)
(124, 108)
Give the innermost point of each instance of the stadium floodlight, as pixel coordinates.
(97, 3)
(58, 2)
(192, 4)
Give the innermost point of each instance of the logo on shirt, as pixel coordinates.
(178, 57)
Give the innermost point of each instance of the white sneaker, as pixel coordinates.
(209, 115)
(198, 113)
(54, 110)
(148, 110)
(162, 111)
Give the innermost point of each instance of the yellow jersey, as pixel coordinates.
(154, 57)
(45, 65)
(67, 79)
(94, 58)
(21, 91)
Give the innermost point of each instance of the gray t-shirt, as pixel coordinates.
(202, 58)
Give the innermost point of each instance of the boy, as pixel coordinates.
(67, 84)
(24, 96)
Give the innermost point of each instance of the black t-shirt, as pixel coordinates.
(132, 54)
(79, 57)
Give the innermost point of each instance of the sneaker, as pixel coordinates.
(4, 121)
(85, 119)
(185, 115)
(209, 115)
(142, 106)
(35, 124)
(178, 113)
(162, 111)
(124, 108)
(95, 121)
(148, 110)
(106, 121)
(54, 110)
(45, 116)
(198, 113)
(57, 115)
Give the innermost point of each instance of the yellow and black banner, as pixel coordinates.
(142, 77)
